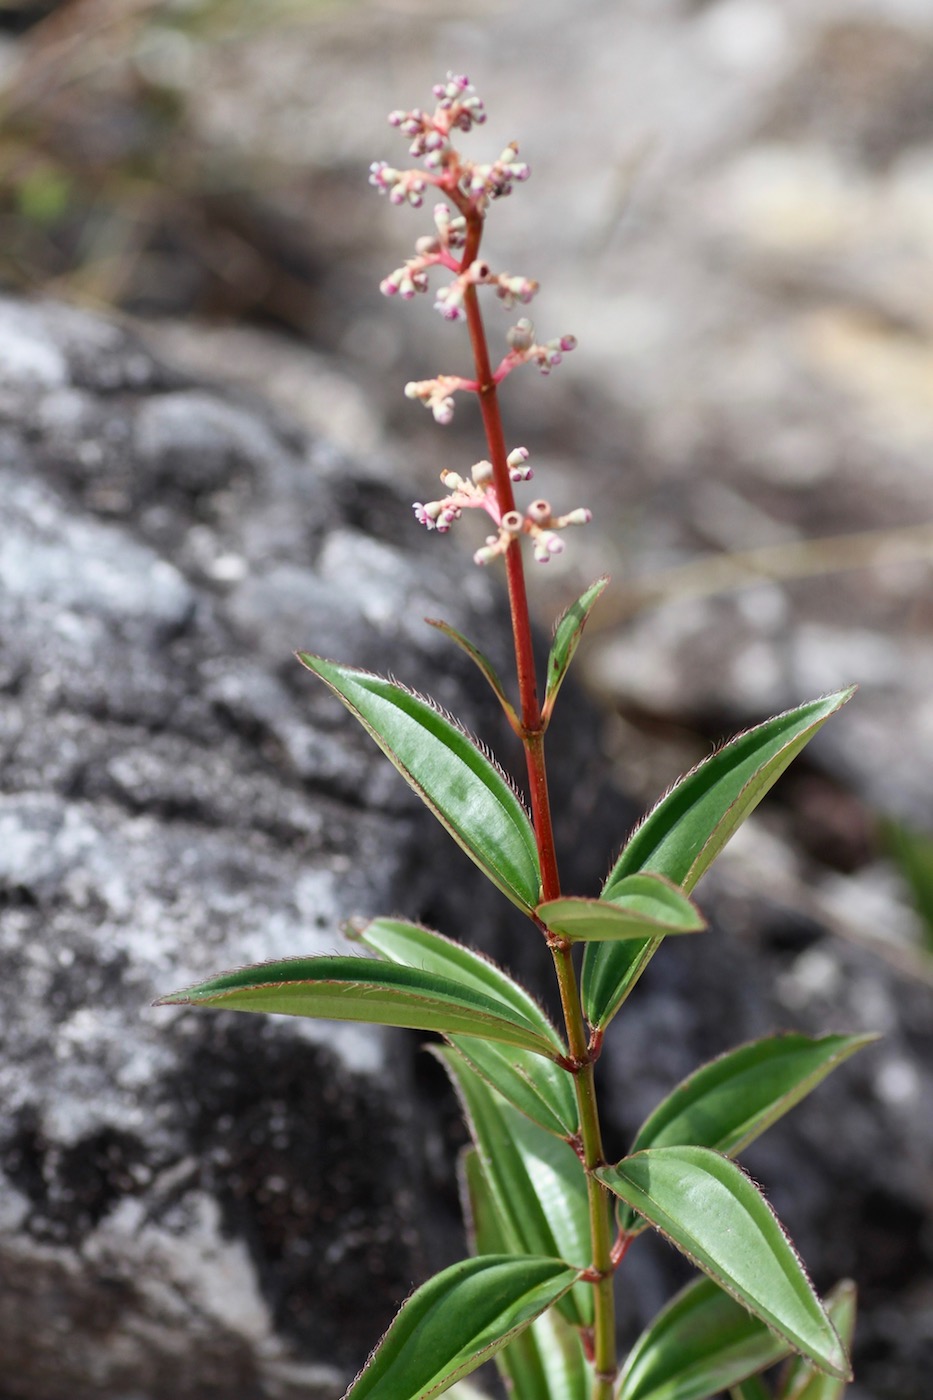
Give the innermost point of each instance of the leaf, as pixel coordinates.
(484, 664)
(729, 1102)
(802, 1381)
(360, 989)
(412, 945)
(546, 1361)
(681, 837)
(698, 1345)
(751, 1389)
(640, 905)
(536, 1086)
(467, 793)
(536, 1182)
(456, 1321)
(707, 1206)
(567, 636)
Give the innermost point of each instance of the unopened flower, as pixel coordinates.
(437, 394)
(399, 185)
(515, 289)
(485, 182)
(450, 298)
(524, 349)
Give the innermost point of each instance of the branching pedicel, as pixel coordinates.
(551, 1219)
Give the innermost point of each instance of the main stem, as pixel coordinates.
(532, 733)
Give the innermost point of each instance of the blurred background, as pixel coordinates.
(732, 208)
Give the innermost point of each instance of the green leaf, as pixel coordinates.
(701, 1343)
(640, 905)
(467, 793)
(610, 971)
(412, 945)
(802, 1381)
(538, 1087)
(536, 1182)
(456, 1321)
(484, 664)
(729, 1102)
(546, 1361)
(707, 1206)
(752, 1389)
(681, 837)
(567, 636)
(360, 989)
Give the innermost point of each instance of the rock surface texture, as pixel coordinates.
(193, 1205)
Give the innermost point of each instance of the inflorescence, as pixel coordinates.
(470, 188)
(478, 490)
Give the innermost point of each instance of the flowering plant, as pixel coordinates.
(551, 1218)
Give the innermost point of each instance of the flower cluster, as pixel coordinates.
(452, 246)
(470, 186)
(478, 490)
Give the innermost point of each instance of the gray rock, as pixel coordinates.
(198, 1205)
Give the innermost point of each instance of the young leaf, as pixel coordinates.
(641, 905)
(707, 1206)
(801, 1381)
(484, 664)
(567, 636)
(729, 1102)
(456, 1321)
(464, 790)
(538, 1087)
(360, 989)
(701, 1343)
(536, 1182)
(546, 1361)
(681, 837)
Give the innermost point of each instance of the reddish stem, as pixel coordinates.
(532, 734)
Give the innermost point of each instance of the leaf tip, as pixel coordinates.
(172, 999)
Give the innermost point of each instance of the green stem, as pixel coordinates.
(532, 734)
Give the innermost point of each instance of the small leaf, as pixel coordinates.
(360, 989)
(467, 793)
(546, 1361)
(707, 1206)
(567, 636)
(484, 664)
(536, 1182)
(640, 905)
(456, 1321)
(681, 837)
(729, 1102)
(802, 1381)
(701, 1343)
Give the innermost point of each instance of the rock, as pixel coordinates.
(194, 1204)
